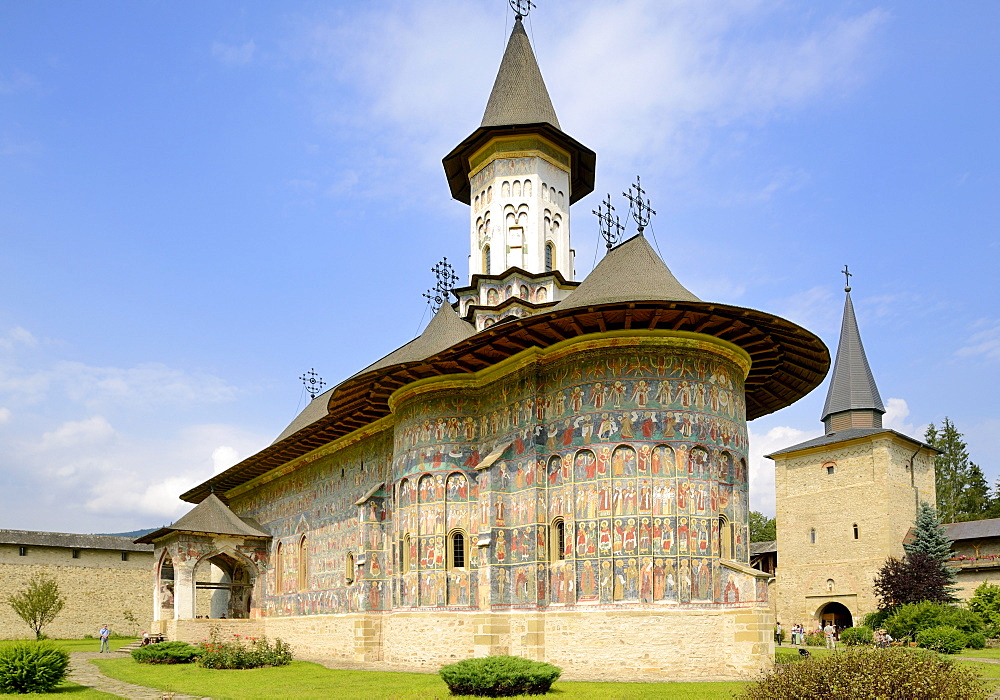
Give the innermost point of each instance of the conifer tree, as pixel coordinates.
(929, 538)
(962, 490)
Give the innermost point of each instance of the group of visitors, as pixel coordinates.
(882, 639)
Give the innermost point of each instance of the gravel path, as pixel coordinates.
(85, 673)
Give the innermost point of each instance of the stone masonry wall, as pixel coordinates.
(98, 588)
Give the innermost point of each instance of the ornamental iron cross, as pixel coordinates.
(639, 207)
(847, 279)
(611, 226)
(446, 279)
(521, 7)
(313, 383)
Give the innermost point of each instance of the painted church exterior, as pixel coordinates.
(552, 469)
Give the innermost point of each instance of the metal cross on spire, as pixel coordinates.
(611, 226)
(521, 8)
(446, 279)
(639, 207)
(847, 279)
(313, 382)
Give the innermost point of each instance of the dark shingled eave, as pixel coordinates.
(763, 547)
(845, 436)
(852, 384)
(973, 529)
(787, 361)
(68, 540)
(213, 517)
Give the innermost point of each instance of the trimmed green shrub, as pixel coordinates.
(864, 673)
(499, 677)
(908, 620)
(944, 639)
(165, 653)
(31, 667)
(857, 636)
(991, 632)
(976, 640)
(815, 639)
(242, 652)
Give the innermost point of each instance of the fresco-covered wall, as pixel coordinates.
(607, 472)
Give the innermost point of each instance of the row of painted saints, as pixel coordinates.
(597, 406)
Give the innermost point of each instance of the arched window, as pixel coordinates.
(303, 564)
(557, 540)
(486, 259)
(489, 194)
(349, 568)
(726, 537)
(456, 550)
(855, 531)
(279, 583)
(829, 585)
(527, 188)
(516, 189)
(550, 257)
(812, 535)
(505, 189)
(404, 554)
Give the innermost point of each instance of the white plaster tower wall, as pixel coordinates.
(519, 206)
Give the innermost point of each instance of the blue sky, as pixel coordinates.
(199, 202)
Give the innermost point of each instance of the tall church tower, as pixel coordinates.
(519, 172)
(845, 501)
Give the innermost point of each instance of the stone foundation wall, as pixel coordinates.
(94, 595)
(597, 645)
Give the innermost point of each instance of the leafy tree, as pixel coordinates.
(962, 491)
(38, 603)
(986, 603)
(762, 528)
(913, 579)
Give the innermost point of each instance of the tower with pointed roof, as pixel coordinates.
(845, 501)
(553, 469)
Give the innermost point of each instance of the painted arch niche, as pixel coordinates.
(165, 588)
(223, 587)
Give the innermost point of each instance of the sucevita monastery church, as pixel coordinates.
(554, 468)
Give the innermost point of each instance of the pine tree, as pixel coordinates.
(962, 490)
(929, 538)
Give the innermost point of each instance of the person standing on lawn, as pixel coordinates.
(830, 631)
(105, 635)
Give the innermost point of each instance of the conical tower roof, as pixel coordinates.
(852, 386)
(631, 271)
(519, 95)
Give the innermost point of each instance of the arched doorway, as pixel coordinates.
(164, 610)
(223, 585)
(837, 614)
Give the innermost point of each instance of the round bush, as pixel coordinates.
(31, 667)
(944, 639)
(976, 640)
(165, 653)
(863, 673)
(857, 636)
(499, 677)
(815, 639)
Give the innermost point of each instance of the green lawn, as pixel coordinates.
(67, 689)
(81, 644)
(307, 680)
(981, 653)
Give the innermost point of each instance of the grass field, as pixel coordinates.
(302, 679)
(82, 644)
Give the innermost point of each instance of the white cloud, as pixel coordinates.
(419, 81)
(4, 415)
(16, 81)
(762, 469)
(985, 341)
(17, 336)
(92, 431)
(812, 308)
(223, 457)
(234, 54)
(896, 413)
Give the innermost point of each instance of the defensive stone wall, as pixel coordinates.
(98, 587)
